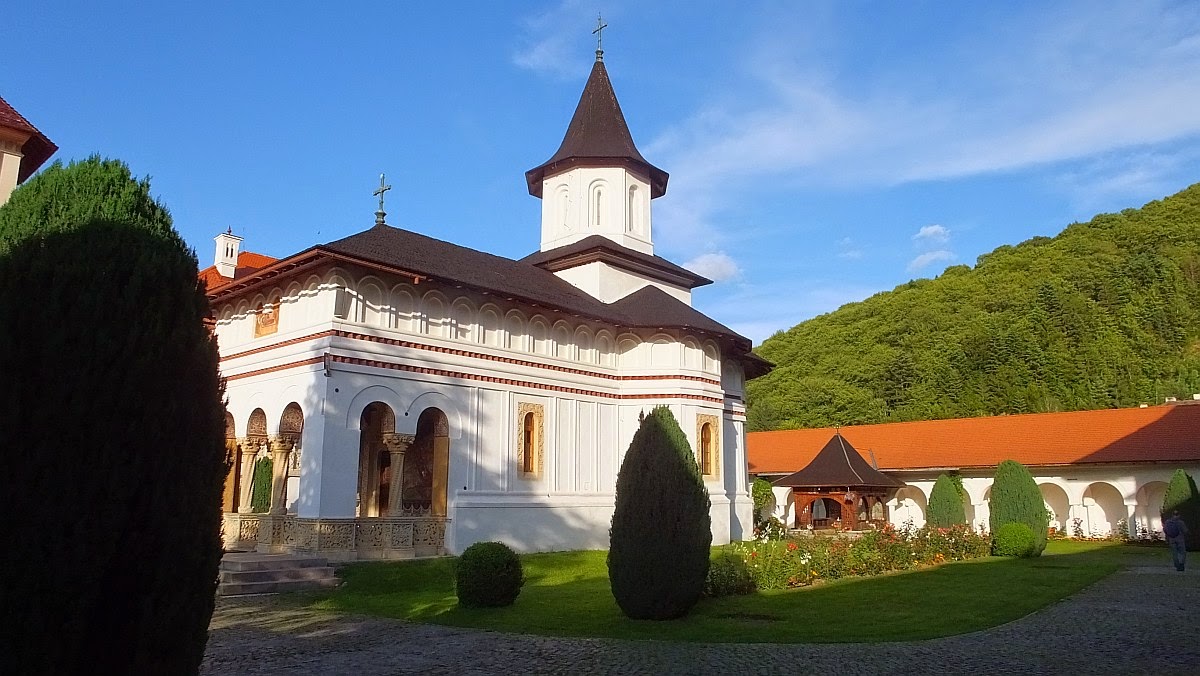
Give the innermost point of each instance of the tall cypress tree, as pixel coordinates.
(112, 408)
(1016, 499)
(661, 529)
(1182, 497)
(946, 504)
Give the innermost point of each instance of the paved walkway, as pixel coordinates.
(1141, 620)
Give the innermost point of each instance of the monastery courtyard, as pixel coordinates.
(1134, 621)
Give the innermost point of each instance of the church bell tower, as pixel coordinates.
(597, 183)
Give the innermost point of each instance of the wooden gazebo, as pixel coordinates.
(839, 489)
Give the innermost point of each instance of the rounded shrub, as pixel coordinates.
(728, 575)
(488, 575)
(1014, 539)
(661, 535)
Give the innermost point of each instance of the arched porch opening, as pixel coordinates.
(253, 446)
(818, 512)
(911, 505)
(286, 454)
(426, 468)
(1103, 507)
(230, 494)
(1059, 506)
(374, 461)
(1148, 513)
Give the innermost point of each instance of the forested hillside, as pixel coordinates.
(1106, 314)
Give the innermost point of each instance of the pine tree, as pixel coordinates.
(112, 405)
(1016, 499)
(661, 529)
(946, 504)
(1183, 497)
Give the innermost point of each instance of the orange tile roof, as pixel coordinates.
(1154, 434)
(248, 262)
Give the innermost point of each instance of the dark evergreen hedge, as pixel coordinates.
(1016, 499)
(661, 532)
(113, 428)
(946, 504)
(1183, 497)
(488, 575)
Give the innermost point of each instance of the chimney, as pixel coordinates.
(228, 245)
(1171, 400)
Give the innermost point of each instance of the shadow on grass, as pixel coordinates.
(567, 594)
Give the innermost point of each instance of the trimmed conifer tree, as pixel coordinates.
(661, 531)
(1182, 496)
(1016, 499)
(946, 504)
(112, 415)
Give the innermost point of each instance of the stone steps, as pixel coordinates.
(252, 573)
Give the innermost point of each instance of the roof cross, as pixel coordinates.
(599, 33)
(383, 187)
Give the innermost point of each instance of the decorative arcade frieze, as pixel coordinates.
(414, 533)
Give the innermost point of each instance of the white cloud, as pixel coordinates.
(1050, 85)
(847, 250)
(718, 266)
(551, 42)
(932, 235)
(929, 257)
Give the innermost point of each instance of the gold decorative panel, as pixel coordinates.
(708, 457)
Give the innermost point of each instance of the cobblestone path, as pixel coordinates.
(1140, 620)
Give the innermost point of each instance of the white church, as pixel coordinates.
(417, 396)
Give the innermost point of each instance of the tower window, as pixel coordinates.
(529, 441)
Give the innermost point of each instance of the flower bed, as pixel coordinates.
(779, 564)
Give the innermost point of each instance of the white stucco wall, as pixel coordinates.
(476, 360)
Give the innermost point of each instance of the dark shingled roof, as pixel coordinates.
(598, 135)
(838, 464)
(36, 149)
(649, 307)
(596, 247)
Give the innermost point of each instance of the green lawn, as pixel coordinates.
(567, 594)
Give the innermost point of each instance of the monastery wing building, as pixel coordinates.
(1098, 471)
(416, 396)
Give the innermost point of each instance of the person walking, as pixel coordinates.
(1176, 532)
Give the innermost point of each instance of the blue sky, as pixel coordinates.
(819, 152)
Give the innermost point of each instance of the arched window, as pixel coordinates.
(529, 440)
(709, 444)
(633, 221)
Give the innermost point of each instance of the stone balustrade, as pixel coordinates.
(414, 534)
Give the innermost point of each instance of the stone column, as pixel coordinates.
(397, 445)
(249, 450)
(983, 515)
(1131, 519)
(281, 448)
(1078, 511)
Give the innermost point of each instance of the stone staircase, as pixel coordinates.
(253, 573)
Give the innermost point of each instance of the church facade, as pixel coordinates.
(416, 396)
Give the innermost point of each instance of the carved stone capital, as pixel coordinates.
(249, 445)
(282, 444)
(398, 443)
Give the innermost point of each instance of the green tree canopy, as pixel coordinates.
(62, 198)
(1106, 314)
(113, 392)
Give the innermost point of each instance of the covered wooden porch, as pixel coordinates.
(839, 490)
